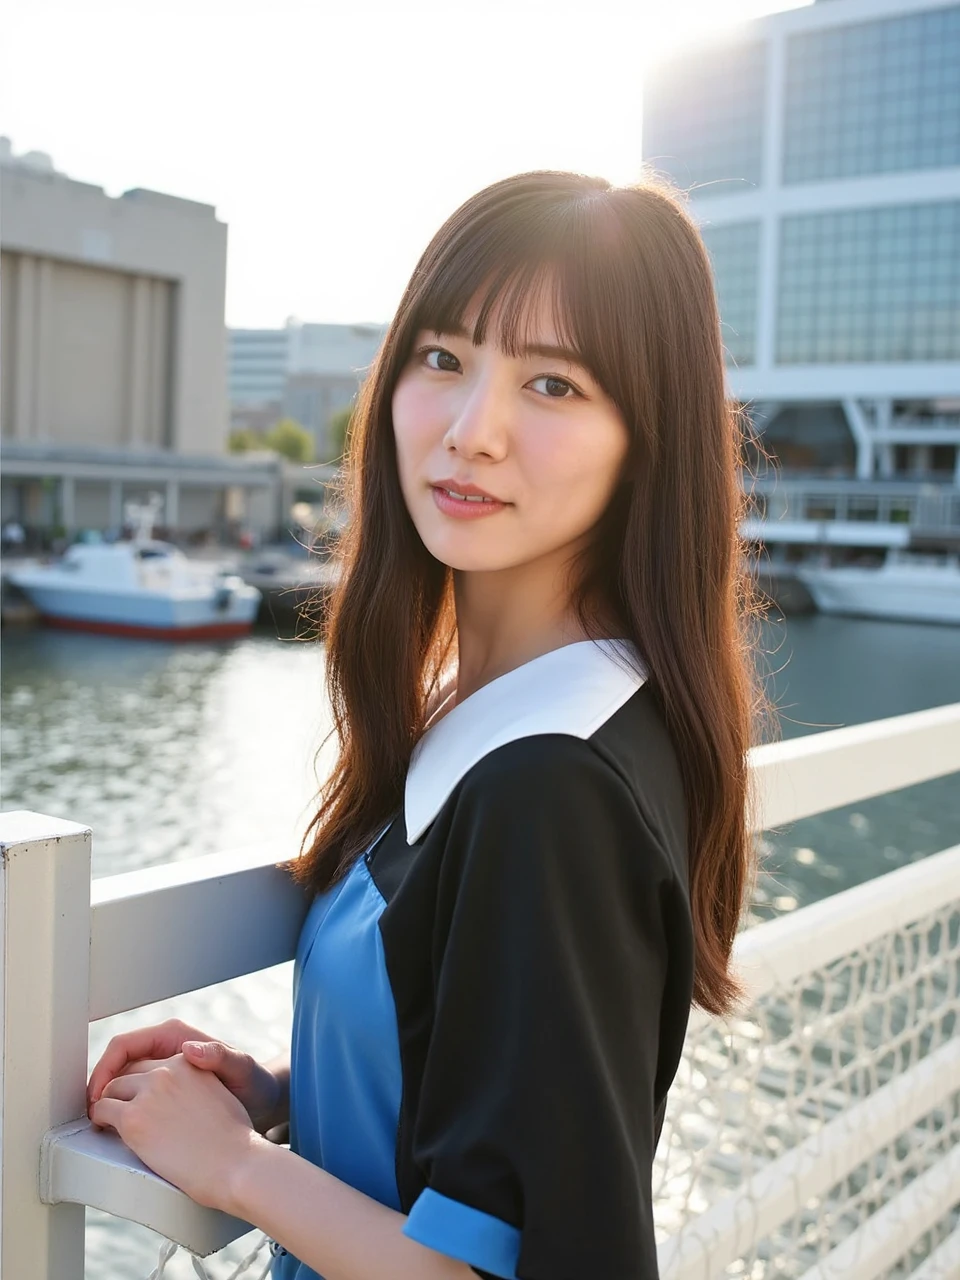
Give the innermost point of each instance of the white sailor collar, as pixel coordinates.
(572, 690)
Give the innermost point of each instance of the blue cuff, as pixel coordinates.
(465, 1233)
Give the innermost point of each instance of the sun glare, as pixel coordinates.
(667, 31)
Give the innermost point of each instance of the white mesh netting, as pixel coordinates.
(255, 1265)
(826, 1116)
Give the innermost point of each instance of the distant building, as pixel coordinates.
(304, 371)
(114, 359)
(821, 149)
(257, 367)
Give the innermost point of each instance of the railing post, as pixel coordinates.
(44, 991)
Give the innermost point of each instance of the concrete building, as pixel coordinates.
(821, 151)
(304, 371)
(113, 358)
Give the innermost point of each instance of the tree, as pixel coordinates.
(242, 440)
(337, 429)
(288, 438)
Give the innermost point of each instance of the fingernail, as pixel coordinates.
(195, 1047)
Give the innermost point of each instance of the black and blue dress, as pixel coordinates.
(489, 1008)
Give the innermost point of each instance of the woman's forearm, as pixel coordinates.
(332, 1227)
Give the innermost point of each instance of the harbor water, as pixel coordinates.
(172, 751)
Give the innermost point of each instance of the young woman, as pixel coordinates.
(533, 852)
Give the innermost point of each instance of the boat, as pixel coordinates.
(906, 586)
(141, 587)
(860, 548)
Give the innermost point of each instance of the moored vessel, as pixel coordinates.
(144, 588)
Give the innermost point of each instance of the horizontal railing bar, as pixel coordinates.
(778, 952)
(225, 900)
(823, 771)
(890, 1231)
(944, 1261)
(769, 1197)
(162, 931)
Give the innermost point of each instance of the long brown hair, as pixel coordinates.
(632, 292)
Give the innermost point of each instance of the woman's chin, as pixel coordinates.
(473, 564)
(476, 559)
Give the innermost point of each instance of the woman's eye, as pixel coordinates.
(555, 387)
(446, 362)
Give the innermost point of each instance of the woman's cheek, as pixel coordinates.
(561, 468)
(574, 478)
(416, 419)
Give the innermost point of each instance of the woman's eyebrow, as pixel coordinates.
(546, 351)
(549, 352)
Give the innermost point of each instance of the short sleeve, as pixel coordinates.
(535, 1127)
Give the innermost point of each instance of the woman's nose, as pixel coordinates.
(480, 425)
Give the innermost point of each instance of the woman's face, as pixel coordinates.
(503, 460)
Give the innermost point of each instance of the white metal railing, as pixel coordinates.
(931, 507)
(846, 1052)
(74, 952)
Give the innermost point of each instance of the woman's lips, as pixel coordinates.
(468, 507)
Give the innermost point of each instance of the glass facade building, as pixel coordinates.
(875, 284)
(704, 126)
(819, 149)
(858, 99)
(734, 250)
(873, 97)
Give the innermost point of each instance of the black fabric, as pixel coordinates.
(542, 1027)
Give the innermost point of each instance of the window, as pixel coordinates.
(734, 250)
(873, 97)
(870, 285)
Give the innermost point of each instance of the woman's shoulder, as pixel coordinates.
(635, 740)
(622, 779)
(631, 745)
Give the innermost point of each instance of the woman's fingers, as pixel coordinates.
(138, 1067)
(234, 1067)
(107, 1113)
(103, 1113)
(123, 1088)
(160, 1041)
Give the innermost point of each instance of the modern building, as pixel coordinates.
(820, 148)
(113, 359)
(304, 371)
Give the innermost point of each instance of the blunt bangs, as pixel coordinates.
(571, 254)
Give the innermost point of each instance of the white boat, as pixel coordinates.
(908, 586)
(867, 548)
(143, 587)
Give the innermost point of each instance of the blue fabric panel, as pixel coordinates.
(464, 1232)
(345, 1080)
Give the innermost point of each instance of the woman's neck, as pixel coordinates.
(510, 617)
(481, 661)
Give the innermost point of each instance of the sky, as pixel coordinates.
(334, 139)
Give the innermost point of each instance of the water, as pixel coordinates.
(825, 672)
(173, 751)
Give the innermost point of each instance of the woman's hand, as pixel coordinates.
(254, 1085)
(182, 1123)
